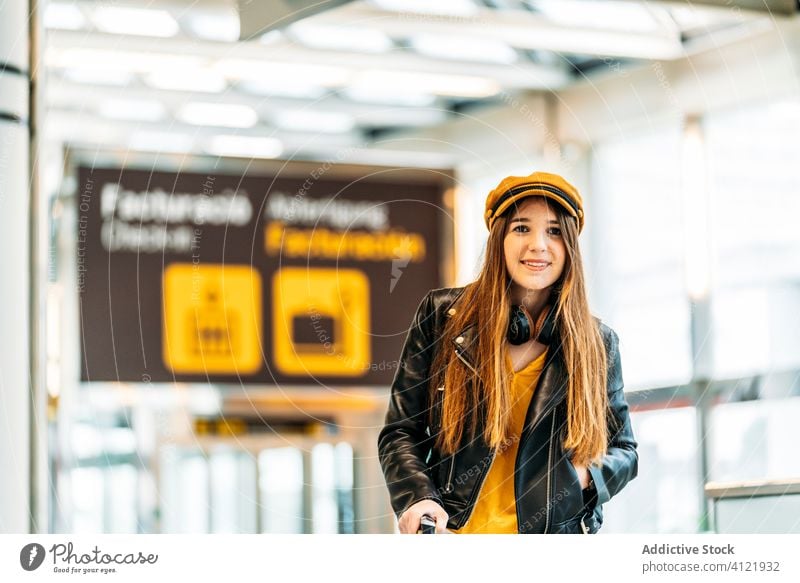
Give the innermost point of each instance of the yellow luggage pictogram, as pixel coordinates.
(212, 319)
(321, 322)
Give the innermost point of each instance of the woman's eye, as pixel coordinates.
(553, 231)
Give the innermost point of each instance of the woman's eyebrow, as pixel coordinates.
(526, 220)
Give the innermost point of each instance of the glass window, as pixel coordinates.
(666, 495)
(754, 182)
(233, 492)
(281, 483)
(755, 440)
(323, 489)
(636, 250)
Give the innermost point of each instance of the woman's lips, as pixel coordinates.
(535, 266)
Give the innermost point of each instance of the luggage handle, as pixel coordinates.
(427, 525)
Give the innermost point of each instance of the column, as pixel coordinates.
(15, 427)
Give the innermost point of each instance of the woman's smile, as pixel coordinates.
(535, 266)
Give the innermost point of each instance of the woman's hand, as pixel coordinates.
(583, 476)
(409, 521)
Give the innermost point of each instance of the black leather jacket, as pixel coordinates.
(548, 491)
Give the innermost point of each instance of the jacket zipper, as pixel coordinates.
(479, 489)
(486, 473)
(448, 486)
(549, 473)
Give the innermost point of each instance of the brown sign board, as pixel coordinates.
(301, 279)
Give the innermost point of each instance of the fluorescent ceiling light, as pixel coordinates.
(340, 38)
(707, 18)
(444, 7)
(164, 142)
(195, 80)
(98, 77)
(133, 110)
(251, 69)
(604, 42)
(129, 61)
(464, 49)
(268, 88)
(606, 15)
(453, 85)
(403, 117)
(218, 114)
(245, 146)
(388, 96)
(270, 38)
(222, 25)
(137, 21)
(64, 16)
(307, 120)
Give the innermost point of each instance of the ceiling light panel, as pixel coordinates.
(62, 16)
(215, 25)
(107, 77)
(127, 61)
(133, 110)
(218, 114)
(309, 120)
(251, 69)
(244, 146)
(442, 7)
(603, 15)
(135, 21)
(388, 96)
(193, 80)
(451, 85)
(270, 38)
(275, 88)
(464, 49)
(340, 38)
(163, 142)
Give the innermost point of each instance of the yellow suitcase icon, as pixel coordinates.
(321, 323)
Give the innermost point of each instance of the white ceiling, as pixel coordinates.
(171, 76)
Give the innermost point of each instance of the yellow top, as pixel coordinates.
(495, 509)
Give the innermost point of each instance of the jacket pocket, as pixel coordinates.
(567, 495)
(585, 523)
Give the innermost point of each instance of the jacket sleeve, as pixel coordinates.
(404, 442)
(620, 464)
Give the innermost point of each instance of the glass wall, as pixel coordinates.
(754, 296)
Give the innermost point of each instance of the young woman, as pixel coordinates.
(507, 412)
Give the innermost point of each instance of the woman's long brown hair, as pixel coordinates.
(486, 402)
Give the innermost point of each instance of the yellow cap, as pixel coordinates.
(514, 188)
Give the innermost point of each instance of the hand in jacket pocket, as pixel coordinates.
(583, 475)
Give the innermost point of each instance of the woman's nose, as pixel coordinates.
(537, 241)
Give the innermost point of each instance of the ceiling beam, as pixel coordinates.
(518, 28)
(780, 7)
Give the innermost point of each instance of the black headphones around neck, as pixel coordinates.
(522, 327)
